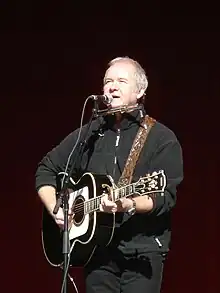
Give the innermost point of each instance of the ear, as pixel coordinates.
(140, 94)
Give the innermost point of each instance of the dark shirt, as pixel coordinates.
(142, 232)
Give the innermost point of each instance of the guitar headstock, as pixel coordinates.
(154, 182)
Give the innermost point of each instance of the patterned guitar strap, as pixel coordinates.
(135, 151)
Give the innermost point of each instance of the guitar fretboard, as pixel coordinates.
(123, 191)
(93, 204)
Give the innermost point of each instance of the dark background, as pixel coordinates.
(53, 55)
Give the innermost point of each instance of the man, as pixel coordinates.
(134, 259)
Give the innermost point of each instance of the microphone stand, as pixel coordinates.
(63, 200)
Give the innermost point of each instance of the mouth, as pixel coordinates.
(116, 101)
(116, 97)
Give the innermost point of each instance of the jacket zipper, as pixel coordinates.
(116, 146)
(117, 137)
(158, 241)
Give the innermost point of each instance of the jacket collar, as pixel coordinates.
(128, 120)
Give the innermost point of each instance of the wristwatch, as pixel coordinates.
(132, 210)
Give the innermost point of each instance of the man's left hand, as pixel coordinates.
(108, 206)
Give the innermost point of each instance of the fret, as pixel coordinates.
(86, 207)
(116, 194)
(124, 191)
(96, 203)
(92, 205)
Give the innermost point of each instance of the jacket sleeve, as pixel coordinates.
(54, 162)
(167, 157)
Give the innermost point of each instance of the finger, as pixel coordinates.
(60, 224)
(59, 221)
(108, 203)
(105, 202)
(59, 218)
(103, 198)
(111, 205)
(70, 224)
(104, 208)
(114, 210)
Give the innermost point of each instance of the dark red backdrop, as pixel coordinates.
(53, 57)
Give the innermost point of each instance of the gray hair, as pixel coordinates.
(140, 74)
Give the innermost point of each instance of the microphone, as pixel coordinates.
(103, 98)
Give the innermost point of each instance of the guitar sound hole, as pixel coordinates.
(78, 210)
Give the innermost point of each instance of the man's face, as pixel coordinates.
(120, 83)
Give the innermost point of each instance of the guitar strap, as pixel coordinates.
(135, 151)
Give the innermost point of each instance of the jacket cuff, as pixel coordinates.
(158, 201)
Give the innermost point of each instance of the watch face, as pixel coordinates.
(131, 211)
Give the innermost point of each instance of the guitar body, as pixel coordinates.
(90, 227)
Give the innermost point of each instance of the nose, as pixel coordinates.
(114, 86)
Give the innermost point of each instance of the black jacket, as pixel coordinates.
(141, 232)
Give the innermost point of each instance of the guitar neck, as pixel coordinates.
(122, 192)
(93, 204)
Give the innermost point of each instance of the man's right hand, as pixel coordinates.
(48, 196)
(59, 219)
